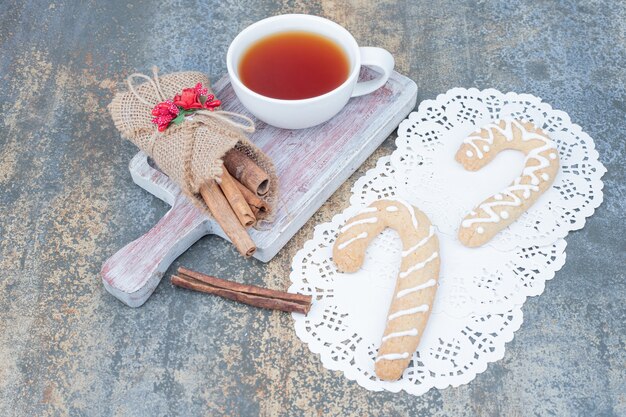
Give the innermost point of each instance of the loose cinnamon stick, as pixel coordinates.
(247, 294)
(236, 199)
(246, 171)
(223, 213)
(257, 205)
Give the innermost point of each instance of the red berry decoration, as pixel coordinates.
(164, 113)
(201, 90)
(188, 101)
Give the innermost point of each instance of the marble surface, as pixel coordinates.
(67, 203)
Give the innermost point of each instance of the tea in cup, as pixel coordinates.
(297, 71)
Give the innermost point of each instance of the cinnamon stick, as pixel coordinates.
(247, 294)
(247, 172)
(236, 200)
(258, 206)
(224, 215)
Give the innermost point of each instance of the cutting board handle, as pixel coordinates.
(133, 273)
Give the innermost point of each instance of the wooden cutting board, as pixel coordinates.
(311, 164)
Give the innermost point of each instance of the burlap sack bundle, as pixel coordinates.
(190, 152)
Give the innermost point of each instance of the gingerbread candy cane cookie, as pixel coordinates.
(502, 209)
(416, 284)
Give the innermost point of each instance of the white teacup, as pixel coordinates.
(300, 114)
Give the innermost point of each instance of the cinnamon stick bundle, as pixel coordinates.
(223, 213)
(246, 171)
(236, 199)
(235, 202)
(243, 293)
(259, 207)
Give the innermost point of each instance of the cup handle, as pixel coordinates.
(379, 58)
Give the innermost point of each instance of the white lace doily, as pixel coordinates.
(424, 161)
(481, 291)
(476, 310)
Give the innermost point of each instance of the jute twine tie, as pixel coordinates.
(199, 116)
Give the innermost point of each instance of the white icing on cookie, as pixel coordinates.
(487, 208)
(411, 211)
(392, 356)
(507, 132)
(552, 155)
(542, 162)
(412, 332)
(480, 230)
(504, 214)
(419, 244)
(418, 265)
(368, 210)
(392, 209)
(349, 241)
(525, 188)
(430, 283)
(419, 309)
(356, 223)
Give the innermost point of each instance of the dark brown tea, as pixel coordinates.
(294, 66)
